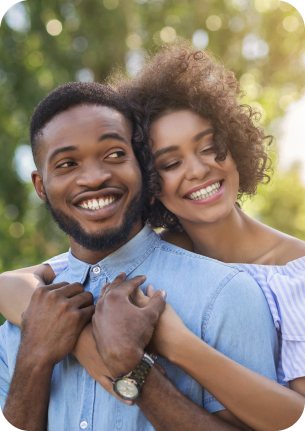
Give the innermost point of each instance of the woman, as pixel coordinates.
(208, 154)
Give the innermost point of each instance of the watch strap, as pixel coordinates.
(139, 374)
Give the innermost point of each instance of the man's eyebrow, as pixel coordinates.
(166, 150)
(202, 134)
(112, 136)
(61, 150)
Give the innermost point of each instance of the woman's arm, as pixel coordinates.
(257, 401)
(16, 288)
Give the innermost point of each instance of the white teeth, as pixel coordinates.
(204, 193)
(95, 204)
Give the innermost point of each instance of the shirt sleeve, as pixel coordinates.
(240, 326)
(5, 379)
(58, 263)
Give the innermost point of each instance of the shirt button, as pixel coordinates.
(83, 425)
(96, 270)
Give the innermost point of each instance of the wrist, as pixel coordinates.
(176, 348)
(33, 358)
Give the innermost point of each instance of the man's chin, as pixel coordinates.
(101, 239)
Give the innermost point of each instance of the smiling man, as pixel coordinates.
(93, 178)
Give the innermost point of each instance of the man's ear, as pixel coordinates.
(38, 184)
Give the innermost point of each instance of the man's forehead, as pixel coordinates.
(81, 119)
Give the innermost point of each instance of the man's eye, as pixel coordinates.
(66, 165)
(116, 155)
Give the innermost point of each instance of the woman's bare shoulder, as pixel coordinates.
(288, 248)
(176, 238)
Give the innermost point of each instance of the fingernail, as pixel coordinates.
(163, 293)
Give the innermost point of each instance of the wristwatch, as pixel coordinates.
(129, 386)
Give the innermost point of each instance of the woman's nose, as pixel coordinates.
(196, 169)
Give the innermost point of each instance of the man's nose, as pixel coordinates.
(93, 174)
(196, 168)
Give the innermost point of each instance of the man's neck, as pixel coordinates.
(93, 257)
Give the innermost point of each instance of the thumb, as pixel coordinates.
(157, 303)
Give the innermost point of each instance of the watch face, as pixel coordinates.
(126, 389)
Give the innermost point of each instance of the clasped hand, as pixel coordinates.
(122, 330)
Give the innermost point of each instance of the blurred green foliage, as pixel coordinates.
(45, 43)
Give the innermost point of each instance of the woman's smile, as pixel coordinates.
(191, 177)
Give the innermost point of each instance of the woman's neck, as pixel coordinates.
(233, 239)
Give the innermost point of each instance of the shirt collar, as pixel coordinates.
(125, 259)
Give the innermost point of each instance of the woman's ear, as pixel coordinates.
(38, 184)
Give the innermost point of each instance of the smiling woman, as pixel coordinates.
(209, 152)
(184, 79)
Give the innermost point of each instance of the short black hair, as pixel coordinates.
(92, 93)
(69, 96)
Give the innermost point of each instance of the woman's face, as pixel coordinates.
(195, 187)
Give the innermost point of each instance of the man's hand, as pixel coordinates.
(50, 327)
(121, 329)
(87, 355)
(53, 321)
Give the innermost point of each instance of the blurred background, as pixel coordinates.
(45, 43)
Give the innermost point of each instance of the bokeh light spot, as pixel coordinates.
(291, 23)
(54, 27)
(16, 230)
(110, 4)
(168, 34)
(213, 23)
(200, 39)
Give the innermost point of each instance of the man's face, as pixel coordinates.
(89, 177)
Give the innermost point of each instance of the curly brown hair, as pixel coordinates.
(179, 77)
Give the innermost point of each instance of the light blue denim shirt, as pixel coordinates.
(218, 302)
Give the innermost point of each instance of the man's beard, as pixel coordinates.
(102, 240)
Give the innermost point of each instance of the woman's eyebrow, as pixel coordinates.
(202, 134)
(166, 150)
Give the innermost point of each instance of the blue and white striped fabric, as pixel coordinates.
(284, 289)
(59, 263)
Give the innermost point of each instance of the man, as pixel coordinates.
(92, 177)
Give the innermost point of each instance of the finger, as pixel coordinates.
(56, 285)
(87, 313)
(150, 291)
(119, 279)
(102, 292)
(69, 290)
(157, 304)
(129, 286)
(81, 300)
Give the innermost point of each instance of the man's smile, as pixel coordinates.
(97, 204)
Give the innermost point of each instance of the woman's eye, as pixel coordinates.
(171, 166)
(116, 155)
(208, 150)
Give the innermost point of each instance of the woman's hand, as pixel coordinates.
(167, 333)
(87, 355)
